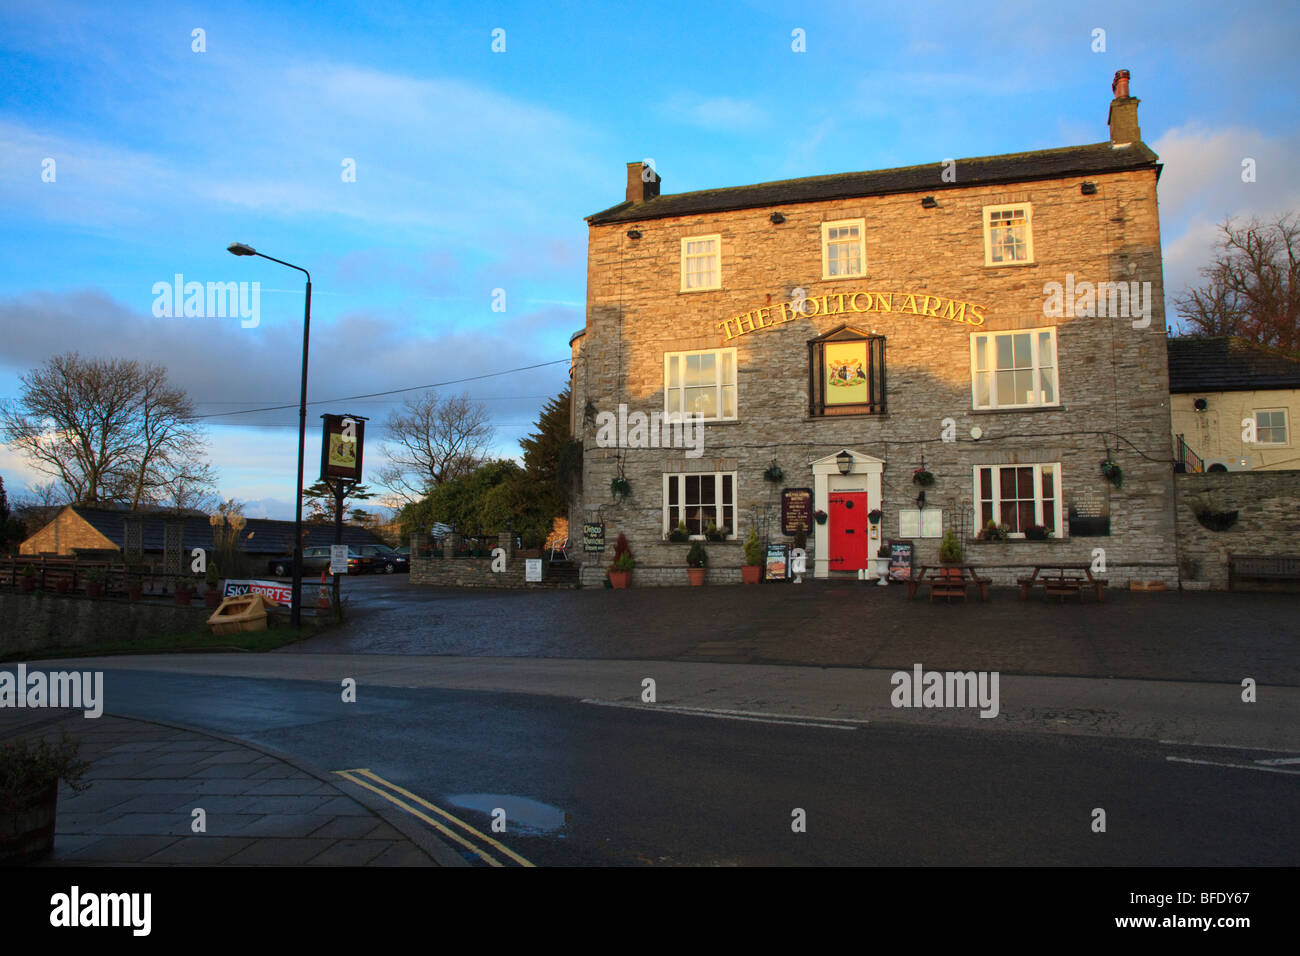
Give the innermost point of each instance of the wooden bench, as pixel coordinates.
(1258, 567)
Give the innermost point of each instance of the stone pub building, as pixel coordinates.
(998, 321)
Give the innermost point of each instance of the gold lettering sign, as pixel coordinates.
(850, 303)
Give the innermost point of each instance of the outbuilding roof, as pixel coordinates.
(982, 170)
(1228, 364)
(258, 536)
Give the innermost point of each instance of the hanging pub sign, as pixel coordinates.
(342, 442)
(593, 538)
(776, 567)
(796, 509)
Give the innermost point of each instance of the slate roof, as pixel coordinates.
(982, 170)
(258, 536)
(1228, 364)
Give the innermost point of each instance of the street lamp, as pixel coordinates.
(295, 613)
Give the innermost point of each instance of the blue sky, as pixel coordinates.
(474, 169)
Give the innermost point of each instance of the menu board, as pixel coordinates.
(593, 538)
(796, 508)
(900, 560)
(776, 566)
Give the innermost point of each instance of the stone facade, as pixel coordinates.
(63, 535)
(1216, 432)
(923, 262)
(1267, 525)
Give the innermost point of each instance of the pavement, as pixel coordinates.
(147, 779)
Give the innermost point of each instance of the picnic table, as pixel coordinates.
(949, 581)
(1061, 580)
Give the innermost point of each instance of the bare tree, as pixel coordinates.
(1251, 288)
(432, 440)
(108, 430)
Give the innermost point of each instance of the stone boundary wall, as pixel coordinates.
(43, 620)
(1268, 522)
(468, 573)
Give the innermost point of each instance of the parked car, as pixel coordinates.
(316, 560)
(385, 559)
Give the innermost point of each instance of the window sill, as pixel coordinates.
(1010, 265)
(695, 291)
(1019, 410)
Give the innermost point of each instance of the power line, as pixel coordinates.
(392, 391)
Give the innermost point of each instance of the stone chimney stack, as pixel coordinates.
(642, 182)
(1123, 117)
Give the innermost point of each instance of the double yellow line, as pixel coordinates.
(355, 776)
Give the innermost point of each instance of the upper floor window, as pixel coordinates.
(1270, 427)
(1018, 496)
(847, 373)
(844, 250)
(701, 383)
(701, 263)
(1008, 234)
(1014, 369)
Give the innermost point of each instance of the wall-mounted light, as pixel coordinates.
(634, 233)
(929, 202)
(776, 218)
(844, 461)
(1088, 189)
(1200, 404)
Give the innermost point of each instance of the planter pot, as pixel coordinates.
(94, 588)
(134, 592)
(882, 571)
(751, 573)
(211, 597)
(620, 579)
(62, 586)
(183, 598)
(27, 585)
(696, 575)
(28, 832)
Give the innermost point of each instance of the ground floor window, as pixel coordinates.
(1019, 496)
(700, 500)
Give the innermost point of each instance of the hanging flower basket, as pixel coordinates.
(819, 516)
(1112, 473)
(619, 487)
(874, 515)
(923, 477)
(773, 473)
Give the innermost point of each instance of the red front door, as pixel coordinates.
(847, 520)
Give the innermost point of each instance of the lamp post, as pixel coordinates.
(295, 612)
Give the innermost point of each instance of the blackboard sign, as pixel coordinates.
(796, 507)
(776, 566)
(1089, 513)
(900, 560)
(593, 538)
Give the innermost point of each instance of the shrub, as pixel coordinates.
(950, 548)
(623, 560)
(753, 549)
(27, 769)
(697, 557)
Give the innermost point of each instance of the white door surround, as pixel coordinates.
(864, 475)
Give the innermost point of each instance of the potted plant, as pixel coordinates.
(620, 572)
(819, 516)
(874, 515)
(212, 596)
(923, 477)
(882, 565)
(752, 570)
(62, 585)
(992, 531)
(714, 533)
(95, 578)
(27, 582)
(949, 548)
(680, 533)
(801, 536)
(184, 590)
(696, 559)
(620, 488)
(773, 473)
(29, 793)
(1112, 473)
(1038, 532)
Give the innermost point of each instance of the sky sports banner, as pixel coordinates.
(281, 593)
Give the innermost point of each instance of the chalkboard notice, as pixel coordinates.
(1089, 513)
(776, 566)
(593, 538)
(900, 560)
(796, 508)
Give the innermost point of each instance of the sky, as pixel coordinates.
(435, 187)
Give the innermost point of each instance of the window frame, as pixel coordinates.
(987, 230)
(906, 513)
(862, 248)
(718, 386)
(1286, 428)
(717, 257)
(1058, 499)
(1037, 366)
(670, 521)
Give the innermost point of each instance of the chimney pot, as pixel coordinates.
(642, 182)
(1123, 118)
(1119, 85)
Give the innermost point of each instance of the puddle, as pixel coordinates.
(522, 815)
